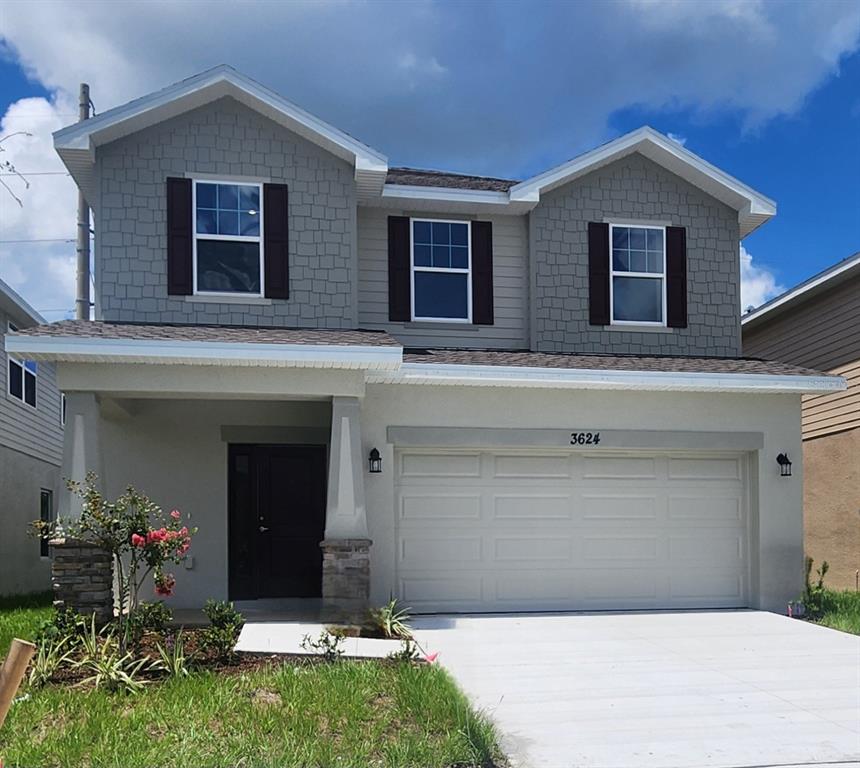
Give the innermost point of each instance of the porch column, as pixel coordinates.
(346, 547)
(81, 449)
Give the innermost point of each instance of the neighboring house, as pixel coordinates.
(478, 394)
(31, 450)
(817, 324)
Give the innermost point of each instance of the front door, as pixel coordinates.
(277, 499)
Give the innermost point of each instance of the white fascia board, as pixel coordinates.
(445, 194)
(817, 281)
(517, 376)
(187, 94)
(647, 139)
(18, 306)
(71, 349)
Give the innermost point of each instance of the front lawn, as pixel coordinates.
(840, 610)
(284, 713)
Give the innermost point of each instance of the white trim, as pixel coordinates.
(215, 295)
(753, 208)
(74, 349)
(524, 376)
(18, 305)
(649, 275)
(443, 270)
(22, 364)
(445, 194)
(811, 284)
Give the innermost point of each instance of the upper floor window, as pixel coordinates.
(637, 287)
(22, 378)
(441, 270)
(228, 248)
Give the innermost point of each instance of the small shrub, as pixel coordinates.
(149, 617)
(408, 651)
(225, 624)
(329, 645)
(109, 666)
(68, 624)
(51, 655)
(392, 620)
(172, 657)
(814, 594)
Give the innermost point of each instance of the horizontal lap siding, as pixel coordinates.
(33, 432)
(510, 287)
(822, 333)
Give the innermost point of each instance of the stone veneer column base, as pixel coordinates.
(346, 572)
(82, 578)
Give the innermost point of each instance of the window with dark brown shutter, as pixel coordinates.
(399, 271)
(482, 273)
(276, 241)
(180, 239)
(676, 277)
(598, 273)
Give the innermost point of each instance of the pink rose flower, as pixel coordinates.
(175, 514)
(137, 540)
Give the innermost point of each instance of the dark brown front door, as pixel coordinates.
(277, 520)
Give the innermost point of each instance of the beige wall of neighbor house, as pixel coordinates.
(823, 331)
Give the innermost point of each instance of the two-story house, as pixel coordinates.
(817, 324)
(474, 394)
(31, 449)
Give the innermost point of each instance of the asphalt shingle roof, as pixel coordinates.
(95, 329)
(415, 177)
(656, 363)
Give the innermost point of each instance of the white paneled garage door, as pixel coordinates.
(506, 530)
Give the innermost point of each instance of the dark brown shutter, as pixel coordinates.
(276, 240)
(598, 273)
(676, 277)
(180, 278)
(399, 278)
(482, 272)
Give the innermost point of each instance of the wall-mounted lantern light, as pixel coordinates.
(784, 465)
(375, 461)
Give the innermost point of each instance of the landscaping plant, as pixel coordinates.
(108, 664)
(225, 624)
(392, 620)
(172, 657)
(813, 595)
(51, 654)
(139, 536)
(329, 645)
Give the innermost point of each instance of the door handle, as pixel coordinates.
(263, 529)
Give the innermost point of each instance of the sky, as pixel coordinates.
(767, 91)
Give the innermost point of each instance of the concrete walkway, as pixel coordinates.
(733, 688)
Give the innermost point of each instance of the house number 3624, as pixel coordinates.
(585, 438)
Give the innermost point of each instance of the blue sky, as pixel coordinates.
(768, 91)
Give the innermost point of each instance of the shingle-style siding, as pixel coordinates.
(634, 188)
(33, 432)
(223, 139)
(510, 286)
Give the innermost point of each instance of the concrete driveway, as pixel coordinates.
(720, 688)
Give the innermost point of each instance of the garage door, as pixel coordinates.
(505, 530)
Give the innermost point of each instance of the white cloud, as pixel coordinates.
(43, 272)
(758, 283)
(677, 138)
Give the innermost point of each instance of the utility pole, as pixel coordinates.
(82, 294)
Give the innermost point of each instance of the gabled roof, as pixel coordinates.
(14, 305)
(824, 281)
(753, 208)
(76, 143)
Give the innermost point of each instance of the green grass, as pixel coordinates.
(841, 610)
(20, 616)
(342, 714)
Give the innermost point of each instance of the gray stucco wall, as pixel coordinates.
(22, 479)
(225, 140)
(634, 188)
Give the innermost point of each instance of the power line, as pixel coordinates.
(43, 240)
(38, 173)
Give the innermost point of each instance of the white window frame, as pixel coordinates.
(447, 270)
(24, 371)
(229, 238)
(620, 273)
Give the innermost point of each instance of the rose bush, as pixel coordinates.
(137, 533)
